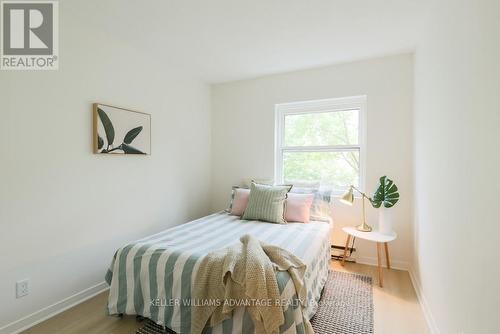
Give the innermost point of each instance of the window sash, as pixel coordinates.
(330, 148)
(310, 107)
(321, 111)
(321, 149)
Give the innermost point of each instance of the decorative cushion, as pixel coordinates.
(240, 201)
(298, 207)
(321, 206)
(246, 182)
(233, 191)
(266, 203)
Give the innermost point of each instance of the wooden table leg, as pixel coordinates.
(345, 249)
(387, 255)
(379, 258)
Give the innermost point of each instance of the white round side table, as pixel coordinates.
(374, 236)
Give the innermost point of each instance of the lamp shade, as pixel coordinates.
(348, 197)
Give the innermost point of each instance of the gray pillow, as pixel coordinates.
(266, 203)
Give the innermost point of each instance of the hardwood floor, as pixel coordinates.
(397, 310)
(87, 318)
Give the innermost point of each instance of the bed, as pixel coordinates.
(153, 276)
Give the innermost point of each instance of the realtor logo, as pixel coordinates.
(29, 35)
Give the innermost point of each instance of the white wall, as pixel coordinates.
(456, 166)
(243, 133)
(63, 210)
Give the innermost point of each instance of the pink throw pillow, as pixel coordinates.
(240, 201)
(298, 207)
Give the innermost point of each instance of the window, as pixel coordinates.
(321, 142)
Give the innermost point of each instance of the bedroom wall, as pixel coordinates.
(64, 210)
(456, 166)
(243, 134)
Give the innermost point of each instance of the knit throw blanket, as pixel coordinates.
(245, 275)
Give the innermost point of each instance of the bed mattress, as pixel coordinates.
(153, 276)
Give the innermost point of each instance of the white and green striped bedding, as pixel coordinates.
(152, 277)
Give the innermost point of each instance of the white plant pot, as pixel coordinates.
(385, 220)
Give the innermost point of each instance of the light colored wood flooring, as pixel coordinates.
(397, 310)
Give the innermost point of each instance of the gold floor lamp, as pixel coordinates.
(348, 198)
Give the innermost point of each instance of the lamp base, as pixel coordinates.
(364, 228)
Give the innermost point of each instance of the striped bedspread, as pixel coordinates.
(152, 277)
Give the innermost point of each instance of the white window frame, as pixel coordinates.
(318, 106)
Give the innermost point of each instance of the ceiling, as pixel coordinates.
(225, 40)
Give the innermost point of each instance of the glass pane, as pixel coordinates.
(333, 169)
(325, 128)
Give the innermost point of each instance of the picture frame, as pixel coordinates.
(120, 131)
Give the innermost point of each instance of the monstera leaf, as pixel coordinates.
(130, 136)
(386, 193)
(108, 126)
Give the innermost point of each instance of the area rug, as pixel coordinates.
(346, 307)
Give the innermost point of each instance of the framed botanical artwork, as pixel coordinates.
(121, 131)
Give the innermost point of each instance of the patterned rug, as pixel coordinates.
(346, 307)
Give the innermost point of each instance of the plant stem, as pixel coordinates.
(116, 148)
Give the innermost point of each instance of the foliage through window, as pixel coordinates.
(320, 142)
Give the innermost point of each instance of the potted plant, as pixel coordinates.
(386, 195)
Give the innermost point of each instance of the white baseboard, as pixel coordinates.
(372, 261)
(431, 322)
(54, 309)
